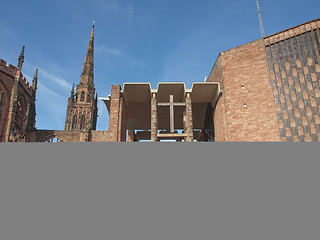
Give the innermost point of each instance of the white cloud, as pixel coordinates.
(56, 79)
(48, 90)
(105, 49)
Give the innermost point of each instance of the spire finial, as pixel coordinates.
(93, 23)
(87, 71)
(35, 80)
(21, 58)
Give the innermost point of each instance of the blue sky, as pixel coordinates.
(135, 41)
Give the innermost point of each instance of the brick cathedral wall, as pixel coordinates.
(6, 87)
(294, 65)
(245, 66)
(220, 121)
(114, 113)
(100, 136)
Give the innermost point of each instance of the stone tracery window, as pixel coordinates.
(82, 96)
(83, 122)
(54, 139)
(74, 122)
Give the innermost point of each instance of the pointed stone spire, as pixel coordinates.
(21, 59)
(35, 81)
(96, 100)
(87, 71)
(72, 91)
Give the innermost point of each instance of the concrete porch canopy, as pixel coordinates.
(137, 97)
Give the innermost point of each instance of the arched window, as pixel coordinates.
(83, 122)
(82, 96)
(74, 122)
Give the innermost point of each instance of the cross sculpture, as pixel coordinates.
(171, 104)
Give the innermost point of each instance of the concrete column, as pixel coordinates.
(154, 118)
(122, 134)
(130, 135)
(189, 120)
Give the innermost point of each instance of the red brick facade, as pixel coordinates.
(17, 103)
(246, 110)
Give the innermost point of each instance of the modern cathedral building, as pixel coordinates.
(266, 90)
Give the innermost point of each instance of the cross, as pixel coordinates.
(171, 104)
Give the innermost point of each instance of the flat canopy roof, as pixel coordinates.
(138, 101)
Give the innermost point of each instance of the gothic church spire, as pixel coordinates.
(87, 71)
(21, 59)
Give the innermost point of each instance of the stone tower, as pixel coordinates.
(82, 105)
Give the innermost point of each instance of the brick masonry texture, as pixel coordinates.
(246, 110)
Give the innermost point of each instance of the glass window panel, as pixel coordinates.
(284, 106)
(269, 59)
(303, 57)
(314, 55)
(289, 139)
(295, 79)
(280, 56)
(286, 123)
(318, 128)
(306, 129)
(280, 90)
(273, 83)
(298, 120)
(288, 99)
(292, 60)
(311, 94)
(306, 45)
(289, 73)
(294, 131)
(290, 113)
(274, 55)
(317, 41)
(295, 104)
(318, 75)
(300, 71)
(291, 88)
(306, 102)
(314, 111)
(311, 67)
(282, 132)
(301, 137)
(276, 99)
(279, 115)
(303, 85)
(295, 48)
(284, 81)
(315, 85)
(318, 101)
(299, 95)
(284, 50)
(308, 79)
(314, 138)
(303, 112)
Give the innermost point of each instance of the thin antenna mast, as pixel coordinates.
(260, 21)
